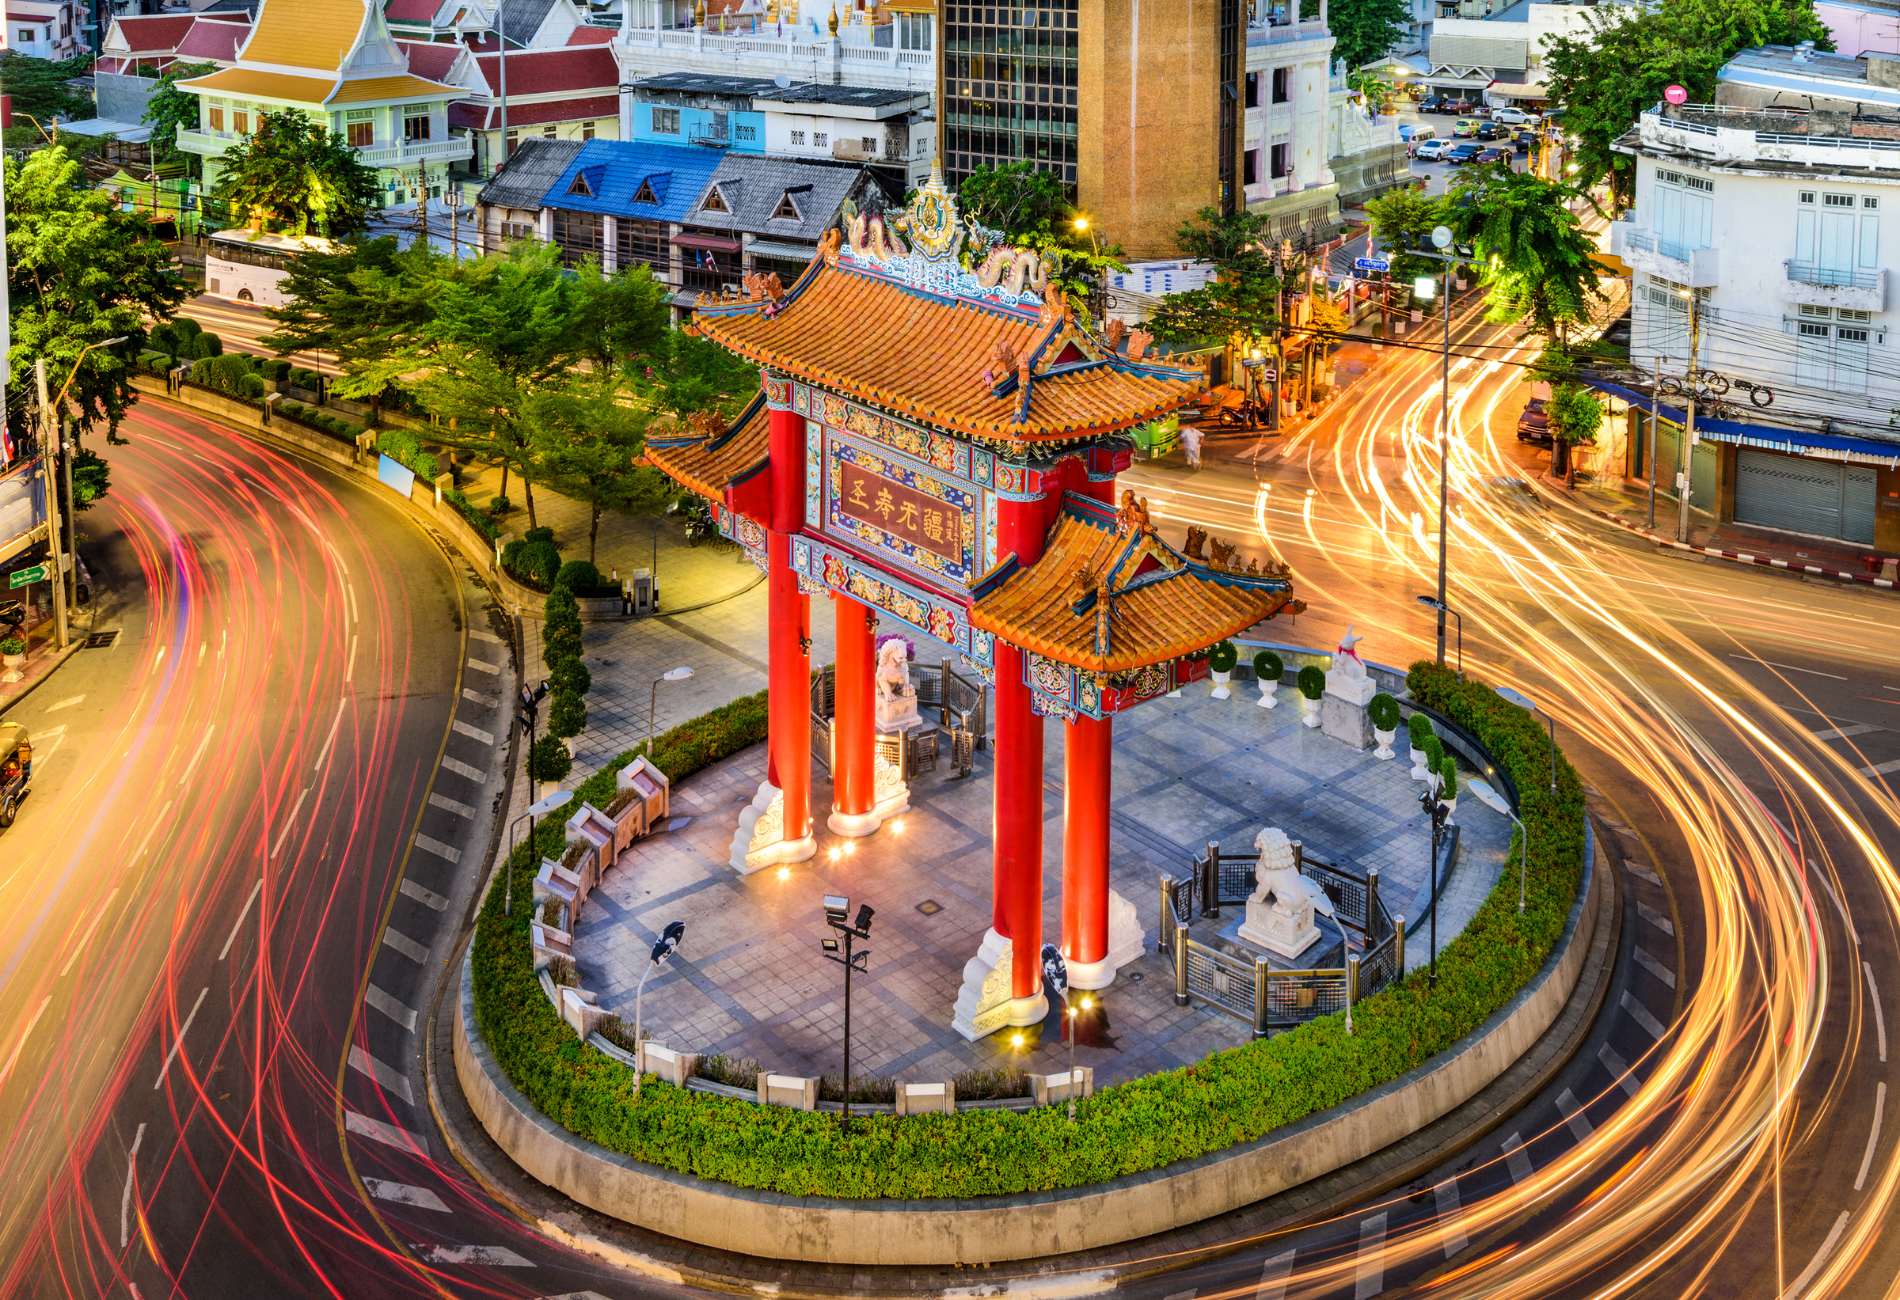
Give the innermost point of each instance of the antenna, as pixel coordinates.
(781, 81)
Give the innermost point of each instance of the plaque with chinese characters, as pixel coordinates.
(917, 517)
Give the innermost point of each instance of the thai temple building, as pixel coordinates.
(937, 443)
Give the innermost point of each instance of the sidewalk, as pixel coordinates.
(42, 657)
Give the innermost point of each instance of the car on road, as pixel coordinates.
(1491, 155)
(1433, 104)
(1464, 153)
(1434, 150)
(1489, 131)
(1533, 425)
(1511, 116)
(1417, 132)
(1524, 141)
(16, 770)
(1464, 126)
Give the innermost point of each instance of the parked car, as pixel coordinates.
(1525, 141)
(1432, 104)
(1533, 425)
(1489, 131)
(1464, 126)
(1513, 116)
(1494, 154)
(1434, 150)
(1464, 153)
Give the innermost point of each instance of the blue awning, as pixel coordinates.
(1796, 442)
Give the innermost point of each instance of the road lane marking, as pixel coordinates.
(388, 1134)
(150, 831)
(1881, 769)
(480, 635)
(1619, 1069)
(192, 766)
(256, 889)
(460, 768)
(179, 1041)
(349, 669)
(1515, 1160)
(1640, 1014)
(86, 938)
(437, 847)
(1450, 1218)
(125, 1197)
(1272, 1277)
(1820, 1258)
(1873, 1138)
(1790, 667)
(389, 1006)
(486, 701)
(1655, 918)
(331, 738)
(444, 802)
(1829, 886)
(473, 733)
(385, 1076)
(7, 1069)
(1654, 967)
(403, 944)
(1842, 733)
(1579, 1123)
(1880, 1019)
(289, 822)
(481, 667)
(66, 703)
(1369, 1267)
(426, 897)
(491, 1256)
(420, 1197)
(1642, 873)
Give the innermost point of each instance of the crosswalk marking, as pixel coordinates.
(476, 697)
(1642, 873)
(403, 944)
(1369, 1269)
(1842, 733)
(1655, 967)
(447, 804)
(403, 1194)
(1515, 1160)
(437, 847)
(492, 1256)
(1881, 769)
(481, 667)
(1619, 1069)
(473, 733)
(1272, 1278)
(1572, 1112)
(397, 1011)
(477, 634)
(460, 768)
(1640, 1014)
(427, 898)
(386, 1077)
(1450, 1219)
(388, 1134)
(1655, 918)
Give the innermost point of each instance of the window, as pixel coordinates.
(923, 146)
(869, 145)
(742, 132)
(241, 121)
(819, 140)
(1806, 196)
(1685, 213)
(548, 131)
(666, 121)
(1810, 354)
(415, 128)
(1282, 85)
(362, 134)
(1249, 167)
(1253, 90)
(645, 194)
(580, 186)
(1850, 359)
(646, 241)
(1818, 313)
(714, 201)
(587, 130)
(26, 36)
(1281, 161)
(1834, 239)
(1838, 200)
(514, 230)
(915, 31)
(214, 118)
(1869, 201)
(798, 137)
(514, 142)
(1859, 317)
(787, 209)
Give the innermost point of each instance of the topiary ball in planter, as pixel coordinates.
(1268, 669)
(1383, 710)
(1419, 731)
(1220, 666)
(1312, 682)
(1434, 760)
(548, 760)
(12, 646)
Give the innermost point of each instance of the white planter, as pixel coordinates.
(1451, 806)
(1384, 751)
(1419, 771)
(12, 663)
(1220, 685)
(1267, 688)
(1311, 709)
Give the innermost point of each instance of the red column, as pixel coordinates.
(854, 736)
(1018, 822)
(1085, 790)
(789, 701)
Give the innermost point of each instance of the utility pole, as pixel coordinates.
(49, 442)
(1654, 389)
(1686, 447)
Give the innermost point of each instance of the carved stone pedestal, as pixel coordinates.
(984, 1004)
(1342, 710)
(760, 840)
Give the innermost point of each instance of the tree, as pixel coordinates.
(80, 272)
(587, 435)
(1536, 259)
(170, 110)
(1241, 302)
(1605, 76)
(699, 375)
(294, 177)
(1575, 414)
(1404, 219)
(91, 479)
(1030, 209)
(1365, 30)
(617, 319)
(39, 90)
(366, 301)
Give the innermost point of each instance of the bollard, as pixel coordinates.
(1180, 961)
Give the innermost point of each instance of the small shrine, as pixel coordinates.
(937, 442)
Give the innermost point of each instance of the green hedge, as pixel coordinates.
(405, 449)
(1233, 1096)
(480, 522)
(318, 419)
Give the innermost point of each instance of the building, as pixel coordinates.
(525, 24)
(887, 48)
(335, 61)
(151, 42)
(889, 130)
(566, 93)
(1500, 60)
(1755, 246)
(45, 29)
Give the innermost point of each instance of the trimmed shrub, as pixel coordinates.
(275, 369)
(186, 328)
(548, 760)
(304, 379)
(164, 338)
(511, 555)
(561, 606)
(1222, 658)
(560, 641)
(1384, 712)
(579, 576)
(1268, 666)
(405, 449)
(251, 386)
(207, 344)
(570, 675)
(539, 535)
(1419, 728)
(543, 563)
(1434, 753)
(480, 522)
(1448, 769)
(567, 714)
(1312, 682)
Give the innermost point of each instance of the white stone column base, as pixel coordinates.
(890, 796)
(852, 825)
(984, 1004)
(760, 839)
(1126, 944)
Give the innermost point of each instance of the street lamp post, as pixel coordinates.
(653, 700)
(553, 803)
(1443, 609)
(1441, 239)
(836, 906)
(53, 437)
(669, 940)
(528, 710)
(1493, 800)
(1438, 812)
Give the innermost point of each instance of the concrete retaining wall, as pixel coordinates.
(991, 1229)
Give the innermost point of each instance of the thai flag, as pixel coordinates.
(6, 444)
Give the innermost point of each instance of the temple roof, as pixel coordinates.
(972, 340)
(1161, 604)
(706, 464)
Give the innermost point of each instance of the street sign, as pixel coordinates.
(20, 577)
(1372, 263)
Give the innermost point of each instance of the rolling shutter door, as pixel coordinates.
(1804, 496)
(1858, 500)
(1705, 464)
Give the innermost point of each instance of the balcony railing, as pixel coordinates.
(410, 151)
(1833, 277)
(1644, 242)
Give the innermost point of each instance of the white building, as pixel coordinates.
(1497, 60)
(1767, 207)
(885, 47)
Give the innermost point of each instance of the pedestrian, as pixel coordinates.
(1191, 444)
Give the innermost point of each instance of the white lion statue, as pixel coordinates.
(1278, 874)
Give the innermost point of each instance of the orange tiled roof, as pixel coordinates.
(1162, 605)
(929, 357)
(707, 465)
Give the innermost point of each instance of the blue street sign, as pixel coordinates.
(1372, 264)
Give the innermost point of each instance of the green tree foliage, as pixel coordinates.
(1606, 75)
(80, 272)
(1535, 256)
(697, 374)
(587, 434)
(171, 110)
(39, 89)
(1366, 29)
(616, 320)
(567, 714)
(366, 302)
(291, 176)
(548, 760)
(1575, 414)
(1403, 219)
(1241, 303)
(91, 479)
(1030, 209)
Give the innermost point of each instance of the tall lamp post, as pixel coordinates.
(1056, 971)
(53, 437)
(653, 700)
(1439, 813)
(1441, 239)
(669, 941)
(1432, 602)
(553, 803)
(1494, 800)
(839, 950)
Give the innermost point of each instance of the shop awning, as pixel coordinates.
(779, 252)
(1795, 442)
(711, 243)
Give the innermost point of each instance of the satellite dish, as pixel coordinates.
(781, 81)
